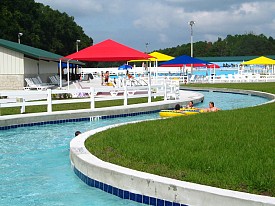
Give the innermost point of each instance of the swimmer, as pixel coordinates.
(177, 107)
(77, 133)
(190, 105)
(211, 108)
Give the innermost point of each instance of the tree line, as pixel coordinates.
(42, 27)
(238, 45)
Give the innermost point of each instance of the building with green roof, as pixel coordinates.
(19, 61)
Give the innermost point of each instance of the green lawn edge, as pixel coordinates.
(229, 149)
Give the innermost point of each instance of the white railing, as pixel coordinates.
(169, 90)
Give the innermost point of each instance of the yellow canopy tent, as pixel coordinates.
(262, 60)
(157, 56)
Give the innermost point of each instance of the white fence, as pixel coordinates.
(169, 90)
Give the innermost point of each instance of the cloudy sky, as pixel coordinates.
(164, 23)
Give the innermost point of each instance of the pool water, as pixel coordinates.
(35, 166)
(228, 101)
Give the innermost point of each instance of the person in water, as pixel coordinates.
(212, 108)
(190, 105)
(177, 107)
(77, 133)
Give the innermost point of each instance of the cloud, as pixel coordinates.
(164, 23)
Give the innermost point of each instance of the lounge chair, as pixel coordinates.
(38, 81)
(33, 85)
(79, 94)
(56, 80)
(42, 83)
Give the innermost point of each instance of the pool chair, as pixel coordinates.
(56, 80)
(230, 78)
(38, 80)
(192, 79)
(223, 78)
(35, 85)
(78, 86)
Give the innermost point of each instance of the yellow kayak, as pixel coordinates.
(181, 112)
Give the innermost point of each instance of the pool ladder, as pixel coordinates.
(95, 118)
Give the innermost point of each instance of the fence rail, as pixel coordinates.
(167, 89)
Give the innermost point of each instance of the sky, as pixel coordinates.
(149, 25)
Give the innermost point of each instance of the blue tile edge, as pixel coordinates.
(124, 194)
(75, 120)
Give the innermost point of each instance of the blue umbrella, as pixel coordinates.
(124, 67)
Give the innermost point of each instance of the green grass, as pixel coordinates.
(228, 149)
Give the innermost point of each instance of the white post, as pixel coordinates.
(125, 96)
(165, 90)
(214, 76)
(49, 100)
(92, 97)
(149, 89)
(23, 107)
(210, 76)
(157, 72)
(60, 74)
(68, 74)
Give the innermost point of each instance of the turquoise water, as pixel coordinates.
(227, 101)
(35, 166)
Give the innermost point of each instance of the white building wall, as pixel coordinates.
(14, 68)
(11, 62)
(48, 67)
(30, 66)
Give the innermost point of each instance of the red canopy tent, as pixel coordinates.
(107, 51)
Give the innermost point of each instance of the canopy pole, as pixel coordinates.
(157, 69)
(68, 74)
(60, 74)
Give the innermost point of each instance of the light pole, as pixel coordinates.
(191, 23)
(146, 46)
(77, 41)
(19, 35)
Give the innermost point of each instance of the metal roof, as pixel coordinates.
(232, 58)
(32, 51)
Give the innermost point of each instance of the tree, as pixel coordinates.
(237, 45)
(42, 27)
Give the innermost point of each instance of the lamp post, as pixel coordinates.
(77, 41)
(19, 35)
(146, 47)
(191, 23)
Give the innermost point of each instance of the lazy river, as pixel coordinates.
(35, 165)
